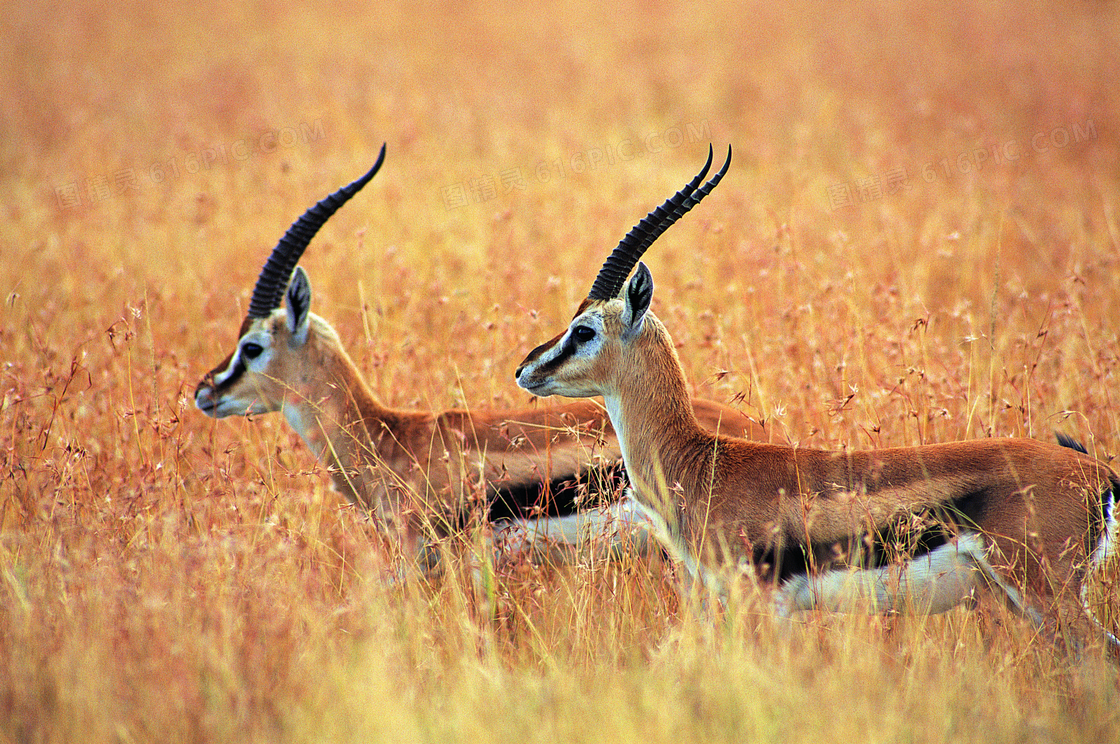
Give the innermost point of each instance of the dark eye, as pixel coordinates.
(251, 351)
(583, 334)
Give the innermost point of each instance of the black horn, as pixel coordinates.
(277, 271)
(626, 255)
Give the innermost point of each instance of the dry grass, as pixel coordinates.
(167, 577)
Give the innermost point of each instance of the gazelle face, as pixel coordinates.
(585, 359)
(240, 385)
(598, 346)
(255, 378)
(566, 364)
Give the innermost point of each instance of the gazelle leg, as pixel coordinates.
(601, 533)
(929, 584)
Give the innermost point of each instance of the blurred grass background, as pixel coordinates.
(917, 241)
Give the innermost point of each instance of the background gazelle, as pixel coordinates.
(419, 472)
(922, 527)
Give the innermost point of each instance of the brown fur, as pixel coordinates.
(725, 500)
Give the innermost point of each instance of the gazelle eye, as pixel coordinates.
(251, 351)
(583, 334)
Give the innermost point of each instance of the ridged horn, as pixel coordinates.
(626, 255)
(277, 271)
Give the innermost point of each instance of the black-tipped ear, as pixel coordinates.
(639, 295)
(298, 302)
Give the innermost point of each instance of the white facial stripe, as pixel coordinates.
(563, 347)
(547, 357)
(234, 362)
(237, 365)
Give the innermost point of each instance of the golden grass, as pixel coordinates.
(166, 577)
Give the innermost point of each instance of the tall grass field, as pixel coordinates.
(918, 241)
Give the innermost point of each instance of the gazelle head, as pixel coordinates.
(581, 361)
(276, 332)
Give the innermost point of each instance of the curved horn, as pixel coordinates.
(623, 258)
(277, 271)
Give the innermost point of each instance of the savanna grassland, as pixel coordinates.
(918, 241)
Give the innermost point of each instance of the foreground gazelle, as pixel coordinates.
(916, 528)
(419, 472)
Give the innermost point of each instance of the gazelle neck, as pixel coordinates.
(650, 408)
(338, 416)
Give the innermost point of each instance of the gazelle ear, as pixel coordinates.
(638, 294)
(297, 300)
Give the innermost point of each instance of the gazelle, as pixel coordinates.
(914, 528)
(419, 472)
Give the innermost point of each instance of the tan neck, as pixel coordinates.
(650, 408)
(337, 415)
